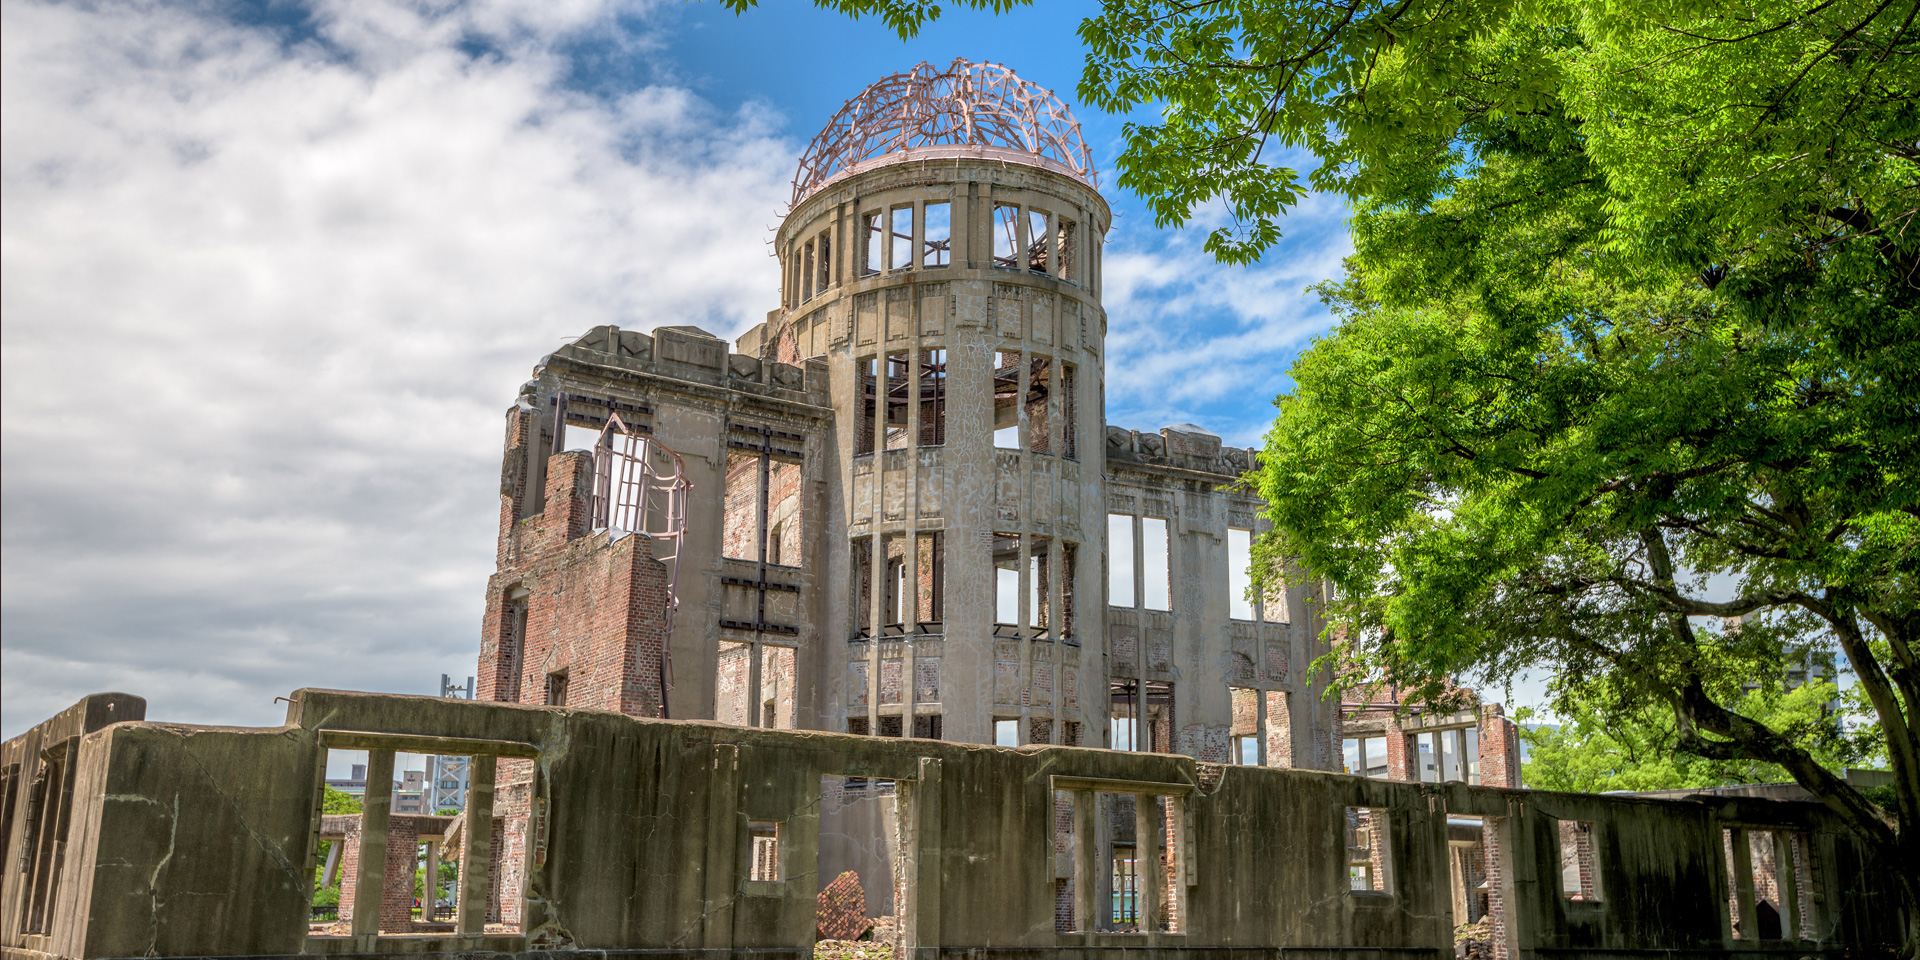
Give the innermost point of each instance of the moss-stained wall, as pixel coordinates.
(200, 841)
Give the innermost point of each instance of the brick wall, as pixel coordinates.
(1499, 748)
(396, 894)
(595, 606)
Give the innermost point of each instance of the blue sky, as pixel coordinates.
(272, 272)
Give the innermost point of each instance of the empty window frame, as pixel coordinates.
(1243, 743)
(1006, 235)
(901, 380)
(1006, 401)
(1579, 875)
(1365, 756)
(1006, 731)
(930, 567)
(511, 652)
(1068, 237)
(1069, 424)
(1039, 599)
(1124, 853)
(1369, 865)
(1443, 756)
(1006, 579)
(862, 586)
(933, 398)
(1120, 570)
(874, 249)
(740, 510)
(777, 687)
(806, 272)
(557, 688)
(936, 232)
(1069, 575)
(926, 726)
(1239, 573)
(1039, 413)
(897, 607)
(901, 222)
(824, 265)
(869, 400)
(1156, 587)
(890, 726)
(763, 838)
(1123, 714)
(1773, 887)
(1039, 239)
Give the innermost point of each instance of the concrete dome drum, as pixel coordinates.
(967, 110)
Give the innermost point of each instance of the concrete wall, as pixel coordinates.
(201, 841)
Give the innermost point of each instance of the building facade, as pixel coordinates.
(905, 512)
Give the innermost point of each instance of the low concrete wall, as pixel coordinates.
(202, 841)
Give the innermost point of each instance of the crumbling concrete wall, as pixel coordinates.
(201, 841)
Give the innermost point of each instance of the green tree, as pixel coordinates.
(333, 802)
(1604, 747)
(1628, 344)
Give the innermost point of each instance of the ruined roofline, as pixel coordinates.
(1172, 447)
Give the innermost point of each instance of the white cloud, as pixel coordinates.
(1190, 340)
(266, 298)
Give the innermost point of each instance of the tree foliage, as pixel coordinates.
(1605, 747)
(1629, 345)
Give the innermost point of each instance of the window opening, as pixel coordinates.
(1579, 879)
(869, 397)
(1467, 873)
(575, 437)
(930, 563)
(428, 875)
(764, 836)
(871, 256)
(1069, 424)
(1157, 722)
(1157, 585)
(1273, 604)
(1006, 732)
(863, 586)
(1367, 862)
(1123, 712)
(806, 273)
(777, 686)
(1039, 238)
(740, 521)
(1244, 733)
(863, 892)
(557, 688)
(513, 645)
(1006, 235)
(1470, 750)
(900, 379)
(890, 726)
(1773, 889)
(1425, 759)
(1239, 573)
(902, 222)
(1120, 560)
(1006, 407)
(858, 726)
(1126, 889)
(1039, 420)
(1365, 756)
(1039, 600)
(1069, 567)
(926, 726)
(937, 246)
(1450, 756)
(1006, 579)
(933, 398)
(825, 277)
(1068, 237)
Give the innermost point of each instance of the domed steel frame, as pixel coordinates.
(969, 109)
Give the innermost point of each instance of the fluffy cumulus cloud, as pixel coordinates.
(268, 288)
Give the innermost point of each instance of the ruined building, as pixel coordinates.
(819, 638)
(901, 509)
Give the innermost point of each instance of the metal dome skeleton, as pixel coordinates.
(969, 109)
